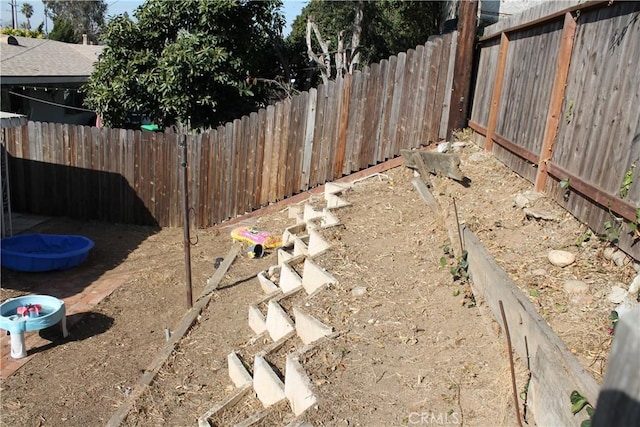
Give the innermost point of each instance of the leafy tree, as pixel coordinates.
(27, 11)
(387, 28)
(188, 60)
(64, 31)
(85, 17)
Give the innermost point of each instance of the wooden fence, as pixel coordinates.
(558, 101)
(314, 137)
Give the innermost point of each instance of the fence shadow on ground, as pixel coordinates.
(114, 241)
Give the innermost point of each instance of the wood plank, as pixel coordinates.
(268, 155)
(336, 105)
(284, 110)
(446, 104)
(292, 147)
(380, 89)
(445, 164)
(596, 194)
(462, 71)
(329, 114)
(252, 166)
(443, 71)
(318, 136)
(418, 98)
(355, 124)
(249, 165)
(239, 168)
(557, 97)
(310, 125)
(394, 118)
(544, 15)
(432, 85)
(373, 131)
(497, 92)
(262, 118)
(298, 146)
(492, 284)
(229, 170)
(343, 121)
(278, 142)
(408, 93)
(219, 174)
(516, 149)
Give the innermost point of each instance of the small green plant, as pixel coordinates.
(460, 271)
(584, 237)
(626, 182)
(578, 403)
(611, 232)
(613, 317)
(568, 115)
(634, 227)
(565, 185)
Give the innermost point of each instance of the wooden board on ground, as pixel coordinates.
(446, 164)
(555, 371)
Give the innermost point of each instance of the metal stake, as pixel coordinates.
(185, 212)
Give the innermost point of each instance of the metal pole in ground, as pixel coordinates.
(185, 213)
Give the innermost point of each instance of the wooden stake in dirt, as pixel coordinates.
(513, 373)
(455, 209)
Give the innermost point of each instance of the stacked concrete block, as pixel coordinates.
(334, 201)
(237, 371)
(268, 386)
(328, 219)
(278, 322)
(308, 328)
(315, 277)
(290, 280)
(310, 213)
(317, 245)
(297, 387)
(267, 285)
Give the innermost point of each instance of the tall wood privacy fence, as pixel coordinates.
(558, 100)
(314, 137)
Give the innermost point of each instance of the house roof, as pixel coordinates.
(46, 61)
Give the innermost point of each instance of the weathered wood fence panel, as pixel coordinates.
(569, 106)
(135, 176)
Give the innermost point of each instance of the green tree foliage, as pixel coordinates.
(27, 11)
(64, 31)
(186, 60)
(388, 27)
(84, 17)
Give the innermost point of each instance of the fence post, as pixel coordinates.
(459, 103)
(557, 98)
(342, 127)
(497, 91)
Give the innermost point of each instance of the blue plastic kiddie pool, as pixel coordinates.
(44, 252)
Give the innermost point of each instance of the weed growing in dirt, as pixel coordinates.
(578, 403)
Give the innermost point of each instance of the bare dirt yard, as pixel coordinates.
(410, 345)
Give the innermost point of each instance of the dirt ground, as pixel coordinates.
(410, 346)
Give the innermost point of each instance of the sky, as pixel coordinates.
(291, 9)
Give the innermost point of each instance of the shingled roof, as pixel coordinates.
(45, 61)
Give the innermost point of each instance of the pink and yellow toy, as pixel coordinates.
(256, 237)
